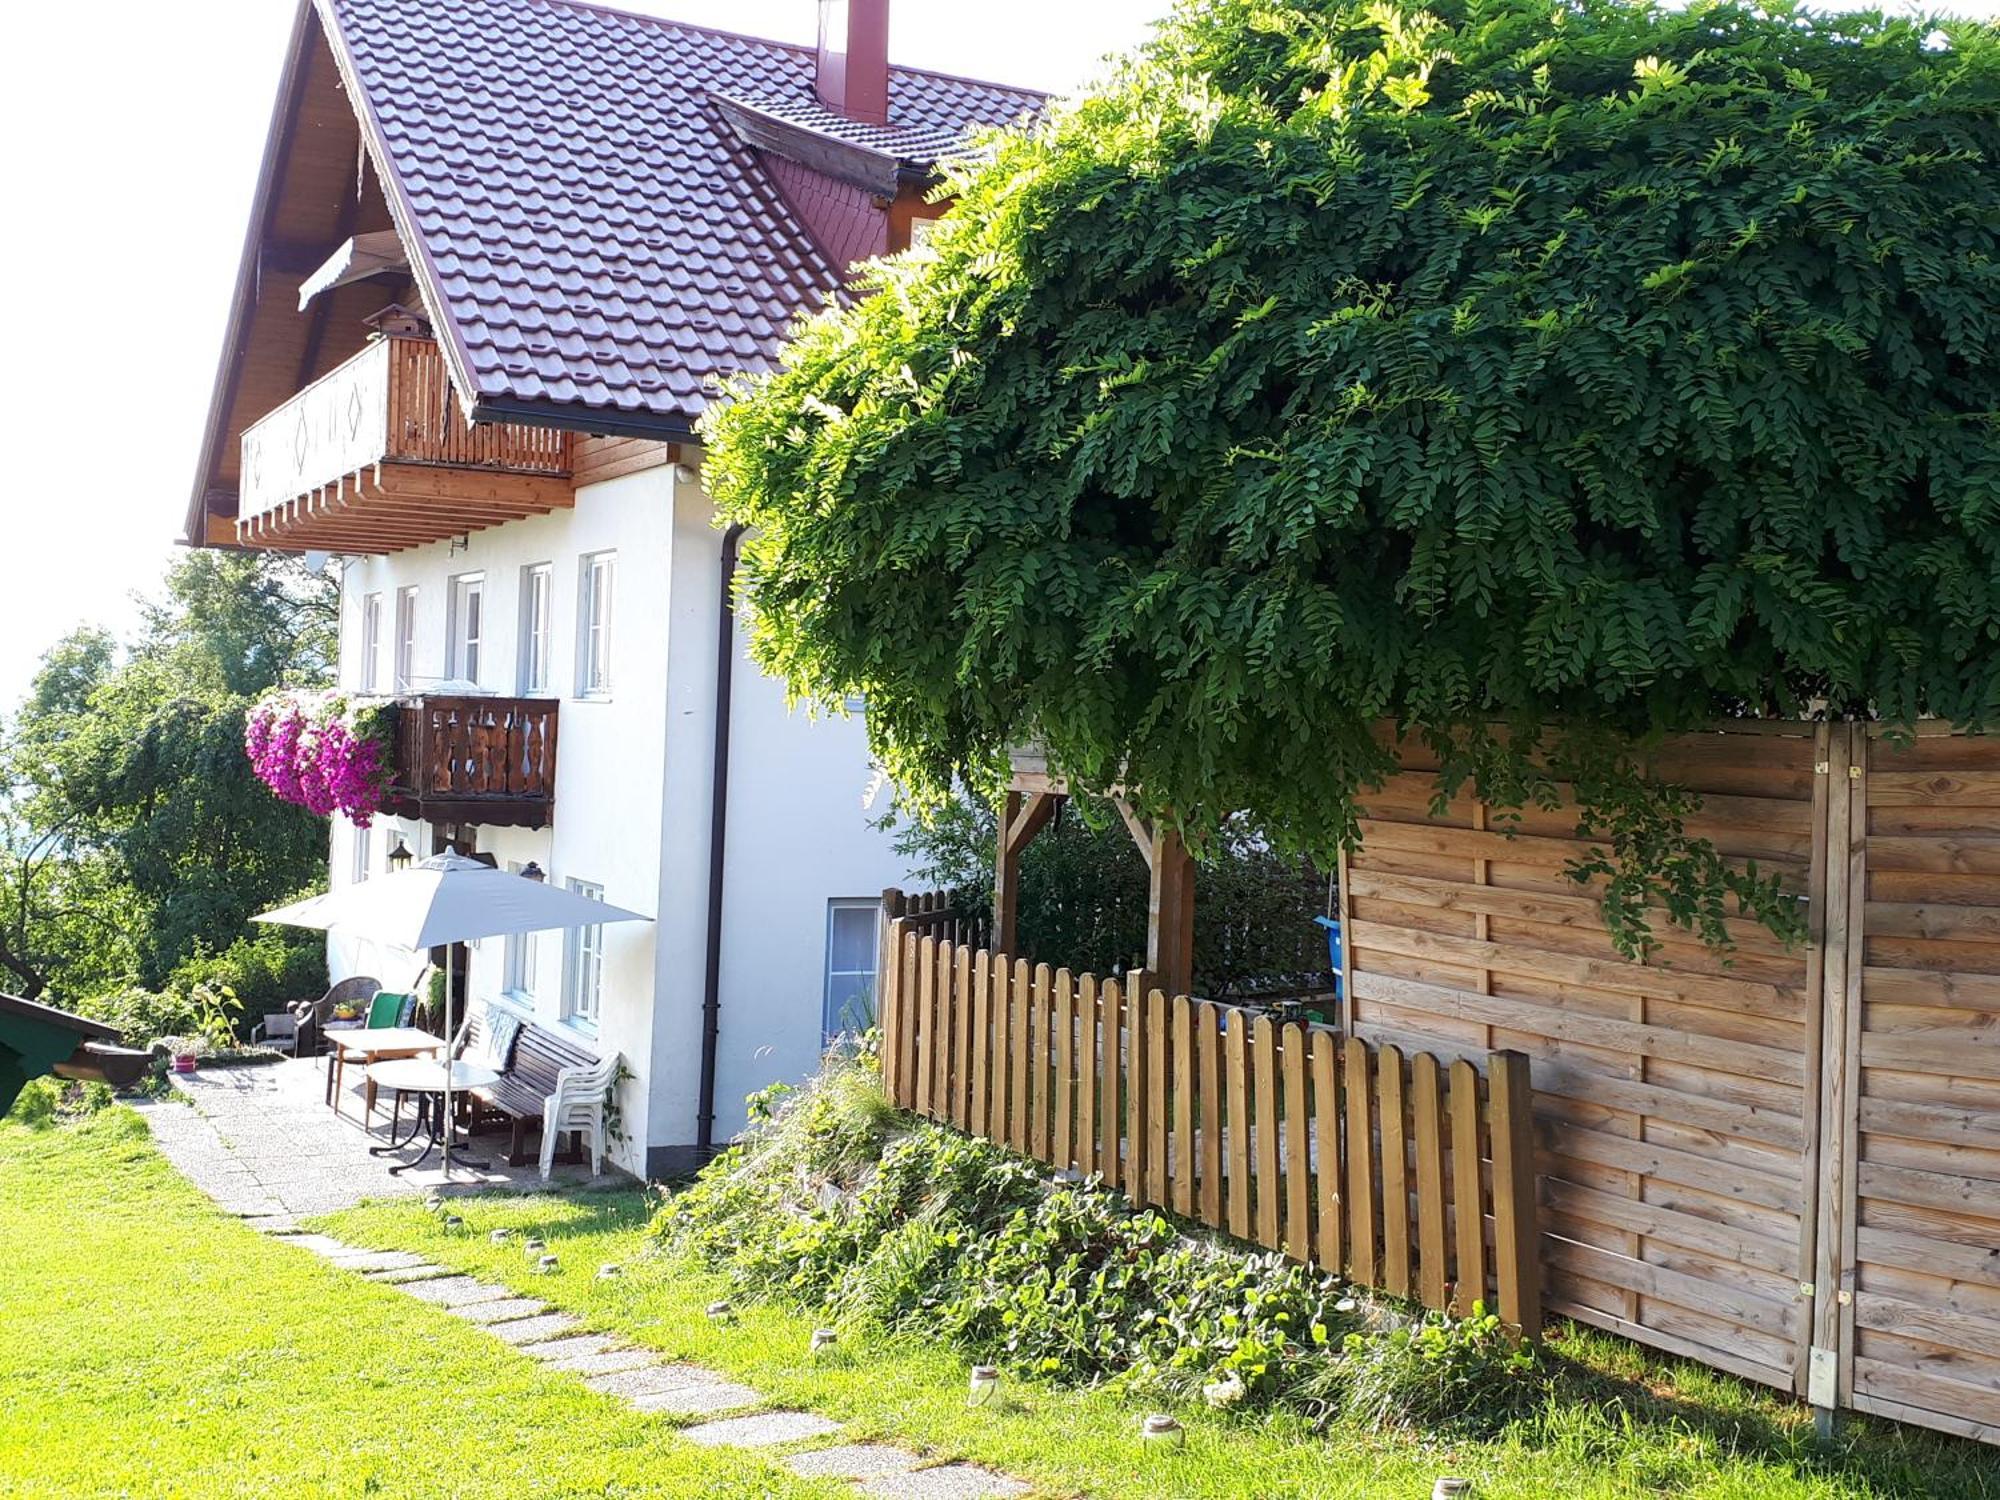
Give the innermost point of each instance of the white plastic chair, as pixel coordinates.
(578, 1104)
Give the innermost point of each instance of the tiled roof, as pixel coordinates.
(595, 235)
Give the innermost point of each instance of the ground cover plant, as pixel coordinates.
(156, 1348)
(1611, 1421)
(1533, 377)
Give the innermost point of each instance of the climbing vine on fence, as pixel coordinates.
(1589, 369)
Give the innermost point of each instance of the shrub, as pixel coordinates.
(265, 973)
(1444, 1373)
(833, 1200)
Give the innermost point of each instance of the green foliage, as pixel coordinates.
(1600, 366)
(205, 1017)
(832, 1200)
(1084, 892)
(133, 833)
(1439, 1374)
(265, 973)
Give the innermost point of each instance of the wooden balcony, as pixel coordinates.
(376, 456)
(490, 761)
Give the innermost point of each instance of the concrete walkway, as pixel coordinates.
(731, 1413)
(263, 1144)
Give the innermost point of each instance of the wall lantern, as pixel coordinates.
(534, 872)
(399, 857)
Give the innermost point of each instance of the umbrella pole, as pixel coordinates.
(450, 1121)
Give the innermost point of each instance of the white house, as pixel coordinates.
(499, 254)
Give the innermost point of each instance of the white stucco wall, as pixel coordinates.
(632, 810)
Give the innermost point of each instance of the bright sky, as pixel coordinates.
(133, 177)
(134, 174)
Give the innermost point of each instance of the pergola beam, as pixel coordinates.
(1031, 802)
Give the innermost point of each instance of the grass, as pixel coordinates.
(153, 1347)
(1620, 1422)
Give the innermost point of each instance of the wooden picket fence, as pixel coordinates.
(1397, 1171)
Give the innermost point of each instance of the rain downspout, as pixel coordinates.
(718, 837)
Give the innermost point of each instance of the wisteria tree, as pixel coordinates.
(1533, 376)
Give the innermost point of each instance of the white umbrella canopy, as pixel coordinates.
(446, 899)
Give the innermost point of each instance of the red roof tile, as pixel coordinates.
(594, 234)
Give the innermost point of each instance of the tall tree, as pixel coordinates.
(1594, 365)
(135, 830)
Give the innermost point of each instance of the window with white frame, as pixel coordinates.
(536, 595)
(467, 626)
(364, 854)
(519, 957)
(853, 928)
(406, 639)
(583, 969)
(371, 642)
(593, 632)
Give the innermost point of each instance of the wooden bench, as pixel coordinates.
(538, 1055)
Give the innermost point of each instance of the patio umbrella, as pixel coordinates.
(447, 899)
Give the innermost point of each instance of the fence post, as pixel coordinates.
(888, 952)
(1514, 1236)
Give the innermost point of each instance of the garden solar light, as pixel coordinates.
(1449, 1488)
(985, 1383)
(533, 1245)
(608, 1270)
(823, 1339)
(453, 1222)
(548, 1265)
(1163, 1430)
(501, 1236)
(721, 1312)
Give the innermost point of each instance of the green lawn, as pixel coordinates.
(1620, 1423)
(153, 1347)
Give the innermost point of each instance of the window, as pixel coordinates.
(593, 634)
(406, 639)
(519, 957)
(466, 627)
(583, 977)
(371, 642)
(852, 931)
(535, 587)
(364, 854)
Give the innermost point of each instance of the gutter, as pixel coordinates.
(718, 837)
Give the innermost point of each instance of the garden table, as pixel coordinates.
(425, 1077)
(367, 1047)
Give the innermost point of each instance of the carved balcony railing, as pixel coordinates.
(489, 761)
(376, 456)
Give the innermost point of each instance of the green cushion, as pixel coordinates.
(383, 1008)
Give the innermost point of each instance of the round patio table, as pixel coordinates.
(424, 1077)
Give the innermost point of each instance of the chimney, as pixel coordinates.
(853, 74)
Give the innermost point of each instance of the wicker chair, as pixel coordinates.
(312, 1015)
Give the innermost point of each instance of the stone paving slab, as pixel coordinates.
(610, 1362)
(708, 1399)
(423, 1271)
(655, 1380)
(768, 1429)
(453, 1291)
(852, 1461)
(575, 1344)
(947, 1482)
(527, 1333)
(506, 1310)
(321, 1244)
(378, 1260)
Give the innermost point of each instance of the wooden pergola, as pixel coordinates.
(1033, 795)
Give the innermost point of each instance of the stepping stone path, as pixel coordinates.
(646, 1382)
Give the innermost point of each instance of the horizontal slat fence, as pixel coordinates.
(1398, 1171)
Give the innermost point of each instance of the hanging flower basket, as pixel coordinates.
(325, 752)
